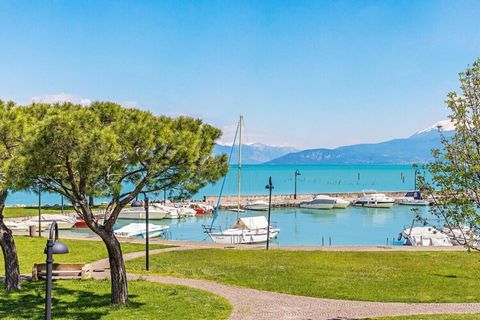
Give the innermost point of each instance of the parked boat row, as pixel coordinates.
(158, 211)
(64, 222)
(370, 199)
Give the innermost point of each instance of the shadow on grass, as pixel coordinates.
(70, 300)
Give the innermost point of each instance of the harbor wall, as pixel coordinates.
(287, 200)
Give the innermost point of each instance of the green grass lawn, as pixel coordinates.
(15, 212)
(30, 251)
(81, 300)
(434, 317)
(373, 276)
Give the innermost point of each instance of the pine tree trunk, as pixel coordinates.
(118, 272)
(10, 257)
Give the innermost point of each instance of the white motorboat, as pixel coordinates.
(372, 199)
(319, 202)
(170, 212)
(461, 236)
(413, 198)
(425, 236)
(138, 213)
(258, 205)
(64, 222)
(340, 203)
(139, 230)
(16, 225)
(246, 230)
(185, 211)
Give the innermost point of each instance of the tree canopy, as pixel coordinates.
(456, 168)
(106, 150)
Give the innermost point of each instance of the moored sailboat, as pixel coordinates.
(245, 230)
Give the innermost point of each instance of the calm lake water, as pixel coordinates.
(351, 226)
(306, 227)
(313, 179)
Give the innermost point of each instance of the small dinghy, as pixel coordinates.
(139, 230)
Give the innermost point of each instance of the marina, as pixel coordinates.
(304, 227)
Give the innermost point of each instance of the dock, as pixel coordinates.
(288, 200)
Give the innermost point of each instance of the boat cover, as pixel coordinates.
(252, 223)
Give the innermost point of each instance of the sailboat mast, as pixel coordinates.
(239, 163)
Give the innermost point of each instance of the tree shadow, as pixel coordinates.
(67, 303)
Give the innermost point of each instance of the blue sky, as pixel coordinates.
(303, 73)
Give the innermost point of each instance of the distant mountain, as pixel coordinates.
(254, 153)
(414, 149)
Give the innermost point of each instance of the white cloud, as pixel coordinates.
(60, 98)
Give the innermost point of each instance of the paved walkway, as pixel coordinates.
(251, 304)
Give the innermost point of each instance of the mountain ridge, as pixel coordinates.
(413, 149)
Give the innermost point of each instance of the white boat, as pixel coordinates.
(186, 211)
(425, 236)
(139, 230)
(64, 222)
(462, 236)
(258, 205)
(138, 213)
(319, 202)
(245, 231)
(413, 198)
(341, 203)
(16, 225)
(170, 212)
(372, 199)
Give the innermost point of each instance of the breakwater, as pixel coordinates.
(287, 200)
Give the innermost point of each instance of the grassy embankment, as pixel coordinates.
(371, 276)
(91, 299)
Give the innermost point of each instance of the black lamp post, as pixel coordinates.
(147, 236)
(53, 247)
(269, 186)
(39, 210)
(297, 173)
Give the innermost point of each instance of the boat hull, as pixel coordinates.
(243, 236)
(341, 205)
(141, 215)
(256, 208)
(368, 204)
(321, 206)
(406, 202)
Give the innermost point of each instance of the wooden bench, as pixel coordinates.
(62, 271)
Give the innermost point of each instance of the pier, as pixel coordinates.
(287, 200)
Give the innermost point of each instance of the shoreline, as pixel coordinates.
(210, 245)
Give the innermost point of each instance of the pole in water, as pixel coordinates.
(330, 241)
(323, 242)
(269, 186)
(358, 176)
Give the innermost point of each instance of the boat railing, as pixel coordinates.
(209, 229)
